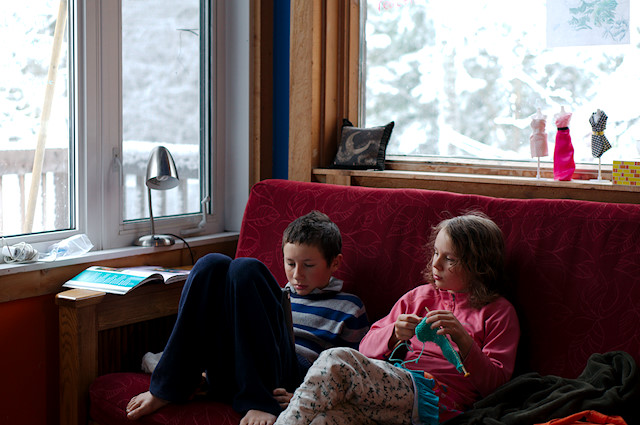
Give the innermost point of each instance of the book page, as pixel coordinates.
(107, 279)
(169, 275)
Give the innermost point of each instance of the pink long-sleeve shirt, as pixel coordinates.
(490, 361)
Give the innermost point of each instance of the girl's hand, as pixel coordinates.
(282, 397)
(404, 328)
(447, 324)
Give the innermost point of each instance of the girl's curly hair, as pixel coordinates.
(479, 247)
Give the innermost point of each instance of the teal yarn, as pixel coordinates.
(425, 333)
(428, 401)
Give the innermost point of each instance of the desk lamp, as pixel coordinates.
(161, 175)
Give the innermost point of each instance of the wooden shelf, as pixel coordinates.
(480, 184)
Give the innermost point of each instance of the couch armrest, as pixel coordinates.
(82, 315)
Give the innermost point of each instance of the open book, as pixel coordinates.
(122, 280)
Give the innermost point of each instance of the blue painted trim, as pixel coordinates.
(281, 35)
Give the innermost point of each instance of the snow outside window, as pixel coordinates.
(463, 78)
(87, 90)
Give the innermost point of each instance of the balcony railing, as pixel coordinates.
(52, 210)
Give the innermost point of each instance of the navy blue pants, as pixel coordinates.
(232, 326)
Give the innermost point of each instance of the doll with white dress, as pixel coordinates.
(538, 138)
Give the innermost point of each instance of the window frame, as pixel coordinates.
(98, 143)
(103, 81)
(315, 120)
(478, 166)
(584, 166)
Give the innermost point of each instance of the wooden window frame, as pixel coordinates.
(324, 89)
(324, 80)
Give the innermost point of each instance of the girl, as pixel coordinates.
(461, 301)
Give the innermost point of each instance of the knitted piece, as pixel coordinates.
(425, 333)
(599, 142)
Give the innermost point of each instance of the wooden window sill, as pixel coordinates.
(505, 185)
(35, 279)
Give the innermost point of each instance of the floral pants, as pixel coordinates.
(345, 387)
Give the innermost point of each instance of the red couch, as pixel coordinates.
(574, 266)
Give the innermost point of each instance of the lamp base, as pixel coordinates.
(155, 240)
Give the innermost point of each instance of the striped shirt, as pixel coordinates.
(327, 318)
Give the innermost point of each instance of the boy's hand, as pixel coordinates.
(405, 327)
(282, 397)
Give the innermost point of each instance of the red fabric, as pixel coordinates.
(575, 266)
(110, 394)
(588, 417)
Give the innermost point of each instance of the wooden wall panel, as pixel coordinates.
(300, 88)
(261, 89)
(324, 80)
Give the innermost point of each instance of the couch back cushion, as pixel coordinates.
(574, 266)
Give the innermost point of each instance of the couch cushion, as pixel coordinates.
(111, 393)
(574, 265)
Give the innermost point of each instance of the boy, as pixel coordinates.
(231, 324)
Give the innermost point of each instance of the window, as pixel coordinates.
(35, 111)
(161, 101)
(131, 74)
(467, 84)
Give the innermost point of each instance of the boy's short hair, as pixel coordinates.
(315, 229)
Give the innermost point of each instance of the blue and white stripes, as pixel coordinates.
(327, 318)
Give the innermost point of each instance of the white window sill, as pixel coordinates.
(98, 256)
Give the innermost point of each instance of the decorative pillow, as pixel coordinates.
(362, 148)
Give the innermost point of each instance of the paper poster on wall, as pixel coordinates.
(587, 22)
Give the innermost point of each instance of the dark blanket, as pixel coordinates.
(609, 384)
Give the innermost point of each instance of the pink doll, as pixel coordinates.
(563, 162)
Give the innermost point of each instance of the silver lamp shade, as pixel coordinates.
(161, 175)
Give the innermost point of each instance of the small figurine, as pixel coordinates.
(563, 162)
(538, 138)
(599, 142)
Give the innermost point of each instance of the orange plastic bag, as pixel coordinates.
(587, 417)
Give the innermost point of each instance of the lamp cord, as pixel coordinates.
(18, 253)
(187, 245)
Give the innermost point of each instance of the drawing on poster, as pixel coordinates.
(587, 22)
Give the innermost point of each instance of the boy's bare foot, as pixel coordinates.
(258, 417)
(144, 404)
